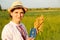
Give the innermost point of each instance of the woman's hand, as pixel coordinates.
(30, 38)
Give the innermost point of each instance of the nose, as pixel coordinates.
(20, 15)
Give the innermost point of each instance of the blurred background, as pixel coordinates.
(50, 9)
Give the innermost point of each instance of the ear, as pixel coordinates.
(11, 13)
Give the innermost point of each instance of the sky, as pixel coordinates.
(32, 3)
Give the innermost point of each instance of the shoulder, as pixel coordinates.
(22, 24)
(6, 32)
(7, 26)
(7, 29)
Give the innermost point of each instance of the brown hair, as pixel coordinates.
(17, 8)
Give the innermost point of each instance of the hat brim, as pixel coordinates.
(9, 9)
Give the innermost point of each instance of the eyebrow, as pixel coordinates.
(22, 12)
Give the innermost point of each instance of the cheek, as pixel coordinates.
(13, 15)
(22, 15)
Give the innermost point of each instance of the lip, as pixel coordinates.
(19, 18)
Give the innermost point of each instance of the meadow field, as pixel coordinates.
(51, 24)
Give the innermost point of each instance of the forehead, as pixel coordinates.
(18, 10)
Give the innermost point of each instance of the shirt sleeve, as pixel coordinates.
(6, 35)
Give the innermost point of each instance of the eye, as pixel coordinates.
(16, 12)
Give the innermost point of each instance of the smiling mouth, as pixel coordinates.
(19, 17)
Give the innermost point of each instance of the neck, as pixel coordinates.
(17, 22)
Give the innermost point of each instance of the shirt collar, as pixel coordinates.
(14, 23)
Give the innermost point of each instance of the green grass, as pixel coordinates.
(51, 25)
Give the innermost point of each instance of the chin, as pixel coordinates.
(19, 20)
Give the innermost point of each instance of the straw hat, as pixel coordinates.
(15, 5)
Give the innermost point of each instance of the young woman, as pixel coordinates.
(15, 30)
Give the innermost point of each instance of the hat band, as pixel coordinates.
(18, 6)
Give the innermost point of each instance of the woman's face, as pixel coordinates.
(17, 14)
